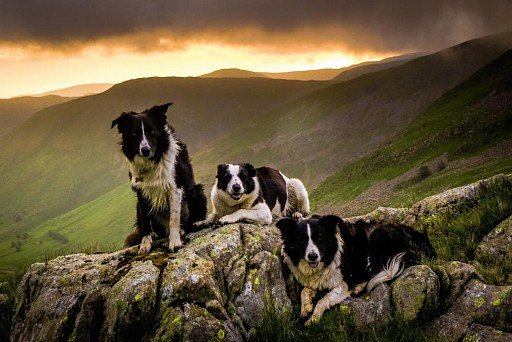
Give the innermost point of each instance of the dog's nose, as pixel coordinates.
(236, 188)
(145, 151)
(312, 256)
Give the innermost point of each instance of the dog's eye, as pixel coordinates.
(153, 131)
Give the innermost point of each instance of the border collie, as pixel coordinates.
(326, 253)
(244, 194)
(161, 174)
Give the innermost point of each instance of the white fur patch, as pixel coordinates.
(393, 269)
(156, 180)
(234, 170)
(311, 248)
(144, 143)
(322, 277)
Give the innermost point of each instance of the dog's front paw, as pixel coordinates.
(226, 220)
(296, 215)
(305, 309)
(358, 289)
(312, 320)
(202, 224)
(145, 245)
(174, 240)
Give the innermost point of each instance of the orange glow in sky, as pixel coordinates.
(32, 71)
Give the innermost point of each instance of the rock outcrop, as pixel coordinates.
(220, 284)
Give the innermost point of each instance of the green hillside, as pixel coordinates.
(16, 110)
(99, 225)
(464, 136)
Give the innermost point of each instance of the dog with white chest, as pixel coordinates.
(243, 193)
(325, 253)
(161, 175)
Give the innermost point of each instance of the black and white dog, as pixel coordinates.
(326, 253)
(161, 175)
(244, 194)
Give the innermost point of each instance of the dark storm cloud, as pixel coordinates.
(356, 25)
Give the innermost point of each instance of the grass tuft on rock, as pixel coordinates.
(456, 233)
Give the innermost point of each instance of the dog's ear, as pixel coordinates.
(221, 168)
(121, 122)
(287, 226)
(330, 222)
(157, 113)
(250, 169)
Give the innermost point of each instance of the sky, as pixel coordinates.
(51, 44)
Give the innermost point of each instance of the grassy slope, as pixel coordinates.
(14, 111)
(99, 225)
(67, 155)
(464, 122)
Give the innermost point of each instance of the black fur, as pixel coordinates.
(149, 219)
(379, 243)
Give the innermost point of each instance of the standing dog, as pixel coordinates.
(323, 257)
(161, 175)
(243, 193)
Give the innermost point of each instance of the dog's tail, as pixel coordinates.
(134, 238)
(196, 202)
(394, 267)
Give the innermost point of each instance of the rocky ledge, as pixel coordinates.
(220, 284)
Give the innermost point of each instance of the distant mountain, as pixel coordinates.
(233, 73)
(79, 90)
(319, 74)
(366, 68)
(16, 110)
(358, 69)
(306, 75)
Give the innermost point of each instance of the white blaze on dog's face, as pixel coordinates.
(312, 254)
(145, 149)
(236, 180)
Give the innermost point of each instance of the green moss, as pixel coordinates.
(256, 281)
(496, 302)
(137, 297)
(221, 334)
(479, 302)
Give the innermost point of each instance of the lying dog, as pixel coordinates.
(326, 253)
(161, 175)
(244, 194)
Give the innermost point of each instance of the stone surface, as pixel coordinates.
(446, 200)
(479, 303)
(373, 308)
(415, 293)
(215, 288)
(482, 333)
(382, 215)
(459, 274)
(497, 245)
